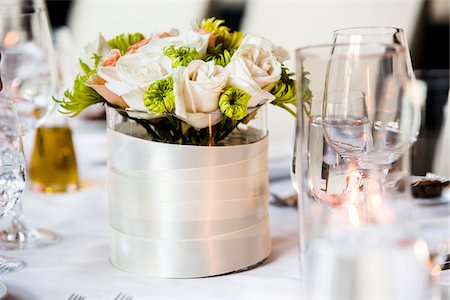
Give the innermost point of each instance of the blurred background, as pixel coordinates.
(289, 23)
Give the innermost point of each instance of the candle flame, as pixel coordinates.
(421, 251)
(353, 216)
(353, 213)
(375, 199)
(210, 140)
(435, 271)
(11, 39)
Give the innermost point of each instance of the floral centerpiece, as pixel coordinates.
(183, 79)
(178, 208)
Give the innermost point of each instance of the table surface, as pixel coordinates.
(80, 264)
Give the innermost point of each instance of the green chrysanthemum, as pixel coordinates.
(284, 91)
(180, 56)
(159, 97)
(219, 56)
(123, 42)
(81, 96)
(233, 103)
(225, 40)
(224, 35)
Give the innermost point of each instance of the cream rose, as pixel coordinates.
(197, 89)
(254, 70)
(193, 40)
(279, 52)
(132, 74)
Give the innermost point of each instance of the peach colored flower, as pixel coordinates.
(138, 45)
(134, 47)
(111, 59)
(212, 36)
(98, 84)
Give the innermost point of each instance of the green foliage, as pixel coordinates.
(233, 103)
(170, 129)
(124, 41)
(159, 97)
(180, 56)
(81, 96)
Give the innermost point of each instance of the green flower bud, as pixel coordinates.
(180, 56)
(159, 97)
(233, 103)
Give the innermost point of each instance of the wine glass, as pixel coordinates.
(368, 34)
(379, 34)
(12, 170)
(375, 131)
(375, 34)
(29, 76)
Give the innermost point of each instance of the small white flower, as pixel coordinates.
(197, 89)
(254, 70)
(193, 40)
(132, 75)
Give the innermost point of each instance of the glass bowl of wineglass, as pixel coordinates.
(29, 79)
(379, 128)
(12, 170)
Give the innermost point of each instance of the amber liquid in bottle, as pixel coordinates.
(53, 166)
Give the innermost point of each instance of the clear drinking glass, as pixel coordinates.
(353, 242)
(12, 170)
(29, 77)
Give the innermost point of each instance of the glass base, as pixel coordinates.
(54, 188)
(30, 238)
(8, 264)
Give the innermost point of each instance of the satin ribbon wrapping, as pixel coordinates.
(181, 211)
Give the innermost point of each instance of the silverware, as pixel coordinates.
(76, 297)
(446, 264)
(123, 297)
(284, 201)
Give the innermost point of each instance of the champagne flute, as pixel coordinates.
(29, 76)
(12, 170)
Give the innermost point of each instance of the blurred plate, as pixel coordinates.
(3, 290)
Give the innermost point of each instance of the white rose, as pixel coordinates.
(193, 40)
(254, 70)
(197, 89)
(279, 52)
(132, 75)
(99, 46)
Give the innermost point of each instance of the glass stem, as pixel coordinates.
(18, 219)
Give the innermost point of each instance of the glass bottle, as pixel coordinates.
(53, 167)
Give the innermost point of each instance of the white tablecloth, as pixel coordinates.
(79, 264)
